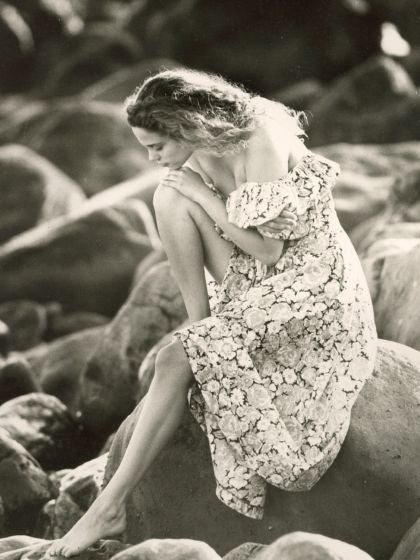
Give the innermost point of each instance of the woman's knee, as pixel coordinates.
(172, 365)
(167, 201)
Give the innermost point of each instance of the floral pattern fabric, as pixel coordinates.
(287, 348)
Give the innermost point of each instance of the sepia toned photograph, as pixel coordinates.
(210, 279)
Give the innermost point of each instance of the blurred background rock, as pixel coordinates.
(87, 297)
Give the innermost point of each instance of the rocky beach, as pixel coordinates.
(87, 297)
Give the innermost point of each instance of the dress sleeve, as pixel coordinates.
(300, 191)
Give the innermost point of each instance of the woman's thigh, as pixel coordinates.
(216, 250)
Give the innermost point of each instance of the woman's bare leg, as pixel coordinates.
(161, 415)
(191, 243)
(189, 238)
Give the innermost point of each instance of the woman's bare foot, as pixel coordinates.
(103, 519)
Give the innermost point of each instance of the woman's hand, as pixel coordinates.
(186, 181)
(285, 221)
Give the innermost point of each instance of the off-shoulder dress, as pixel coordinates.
(287, 348)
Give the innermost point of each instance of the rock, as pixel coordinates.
(61, 266)
(372, 509)
(378, 184)
(109, 384)
(29, 548)
(92, 55)
(245, 551)
(9, 545)
(409, 547)
(140, 187)
(359, 197)
(45, 428)
(65, 324)
(155, 257)
(32, 191)
(374, 103)
(116, 87)
(397, 305)
(90, 141)
(301, 546)
(27, 322)
(169, 549)
(411, 63)
(4, 339)
(374, 258)
(266, 53)
(301, 95)
(404, 15)
(58, 366)
(24, 486)
(16, 378)
(78, 489)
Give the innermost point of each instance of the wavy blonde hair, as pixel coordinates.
(204, 111)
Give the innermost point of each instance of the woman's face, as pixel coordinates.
(163, 150)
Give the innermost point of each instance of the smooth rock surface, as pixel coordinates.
(409, 547)
(45, 428)
(305, 546)
(32, 191)
(266, 53)
(397, 303)
(85, 262)
(374, 103)
(117, 86)
(368, 498)
(58, 366)
(109, 385)
(63, 324)
(169, 549)
(89, 141)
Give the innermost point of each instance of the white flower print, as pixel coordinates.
(258, 396)
(255, 318)
(286, 349)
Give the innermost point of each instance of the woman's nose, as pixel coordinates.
(153, 156)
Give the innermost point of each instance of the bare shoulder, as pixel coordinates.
(270, 154)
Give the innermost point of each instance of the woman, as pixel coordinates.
(272, 370)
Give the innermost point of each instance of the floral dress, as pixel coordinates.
(287, 348)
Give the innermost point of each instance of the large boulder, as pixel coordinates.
(169, 549)
(263, 44)
(378, 184)
(32, 191)
(409, 547)
(368, 498)
(90, 56)
(110, 384)
(24, 486)
(85, 262)
(301, 546)
(45, 428)
(58, 366)
(77, 490)
(16, 377)
(376, 102)
(116, 87)
(397, 303)
(27, 322)
(403, 14)
(22, 547)
(90, 141)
